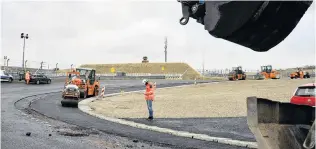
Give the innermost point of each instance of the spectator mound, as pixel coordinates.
(184, 69)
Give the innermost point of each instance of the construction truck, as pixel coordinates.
(236, 74)
(80, 84)
(269, 73)
(299, 74)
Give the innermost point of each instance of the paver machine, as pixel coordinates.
(236, 74)
(269, 73)
(80, 84)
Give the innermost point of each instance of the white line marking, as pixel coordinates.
(83, 106)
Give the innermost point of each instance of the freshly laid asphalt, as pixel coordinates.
(15, 124)
(235, 127)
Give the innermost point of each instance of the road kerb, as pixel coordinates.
(83, 106)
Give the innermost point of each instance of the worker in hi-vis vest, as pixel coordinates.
(27, 77)
(149, 97)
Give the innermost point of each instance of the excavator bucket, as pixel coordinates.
(258, 25)
(277, 125)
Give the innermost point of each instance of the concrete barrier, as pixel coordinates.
(278, 125)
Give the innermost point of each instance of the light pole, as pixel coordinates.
(203, 61)
(71, 66)
(8, 62)
(5, 59)
(25, 63)
(42, 65)
(166, 46)
(56, 69)
(26, 36)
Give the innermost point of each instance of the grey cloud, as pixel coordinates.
(121, 31)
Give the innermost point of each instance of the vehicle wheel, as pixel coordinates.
(291, 77)
(64, 104)
(10, 80)
(37, 82)
(49, 81)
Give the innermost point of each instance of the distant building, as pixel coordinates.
(145, 59)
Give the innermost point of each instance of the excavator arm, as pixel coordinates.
(258, 25)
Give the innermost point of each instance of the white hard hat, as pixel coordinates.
(144, 81)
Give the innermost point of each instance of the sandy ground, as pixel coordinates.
(224, 99)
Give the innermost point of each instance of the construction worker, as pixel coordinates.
(149, 97)
(76, 80)
(301, 74)
(27, 77)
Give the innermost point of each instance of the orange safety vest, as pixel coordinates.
(27, 76)
(76, 81)
(149, 94)
(301, 74)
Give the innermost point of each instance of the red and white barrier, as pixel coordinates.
(102, 92)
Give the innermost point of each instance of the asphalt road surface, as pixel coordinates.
(235, 127)
(86, 131)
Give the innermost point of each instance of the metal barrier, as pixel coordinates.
(174, 77)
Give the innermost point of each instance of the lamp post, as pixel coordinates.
(56, 67)
(8, 62)
(25, 63)
(26, 36)
(5, 60)
(71, 66)
(42, 65)
(166, 46)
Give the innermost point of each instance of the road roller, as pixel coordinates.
(80, 84)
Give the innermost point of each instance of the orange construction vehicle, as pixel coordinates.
(269, 73)
(237, 74)
(299, 74)
(80, 84)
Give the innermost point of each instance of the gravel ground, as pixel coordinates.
(225, 99)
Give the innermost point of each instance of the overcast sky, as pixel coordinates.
(124, 31)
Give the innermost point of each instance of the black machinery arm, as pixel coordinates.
(258, 25)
